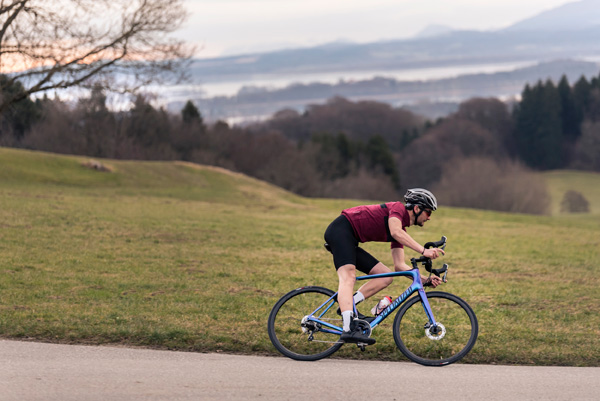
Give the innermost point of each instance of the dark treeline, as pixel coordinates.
(556, 126)
(482, 156)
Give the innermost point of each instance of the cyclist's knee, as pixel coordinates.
(347, 273)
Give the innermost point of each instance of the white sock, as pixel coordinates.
(358, 297)
(347, 318)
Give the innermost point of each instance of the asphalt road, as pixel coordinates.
(51, 372)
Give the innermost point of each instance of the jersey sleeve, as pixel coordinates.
(399, 211)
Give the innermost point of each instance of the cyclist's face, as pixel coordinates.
(424, 217)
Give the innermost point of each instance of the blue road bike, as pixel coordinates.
(432, 328)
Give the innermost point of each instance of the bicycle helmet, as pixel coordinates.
(421, 197)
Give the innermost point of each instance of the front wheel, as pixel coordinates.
(447, 342)
(296, 336)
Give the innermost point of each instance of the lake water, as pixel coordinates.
(230, 88)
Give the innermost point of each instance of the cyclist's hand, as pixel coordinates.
(432, 281)
(433, 253)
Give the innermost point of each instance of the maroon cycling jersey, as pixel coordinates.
(370, 222)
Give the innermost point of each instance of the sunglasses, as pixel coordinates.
(428, 211)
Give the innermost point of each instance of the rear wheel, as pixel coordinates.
(447, 342)
(294, 335)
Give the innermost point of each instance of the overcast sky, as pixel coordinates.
(224, 27)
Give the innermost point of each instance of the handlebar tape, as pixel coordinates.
(438, 244)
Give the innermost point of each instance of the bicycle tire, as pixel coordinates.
(426, 347)
(285, 330)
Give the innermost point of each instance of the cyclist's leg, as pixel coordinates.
(368, 264)
(347, 278)
(372, 287)
(353, 331)
(343, 245)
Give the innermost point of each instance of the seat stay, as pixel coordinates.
(316, 315)
(323, 308)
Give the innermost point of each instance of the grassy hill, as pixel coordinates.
(180, 256)
(561, 181)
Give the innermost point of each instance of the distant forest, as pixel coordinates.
(482, 156)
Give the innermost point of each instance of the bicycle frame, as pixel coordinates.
(416, 285)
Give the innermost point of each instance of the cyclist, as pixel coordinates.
(386, 222)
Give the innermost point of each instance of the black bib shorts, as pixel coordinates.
(343, 244)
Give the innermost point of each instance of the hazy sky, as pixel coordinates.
(222, 27)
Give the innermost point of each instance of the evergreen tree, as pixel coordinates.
(582, 91)
(17, 118)
(571, 115)
(188, 137)
(593, 109)
(147, 126)
(190, 113)
(380, 156)
(525, 123)
(335, 156)
(551, 135)
(539, 127)
(96, 125)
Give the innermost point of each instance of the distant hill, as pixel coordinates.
(568, 31)
(454, 48)
(434, 30)
(432, 99)
(571, 16)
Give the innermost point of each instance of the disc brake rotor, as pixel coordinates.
(435, 333)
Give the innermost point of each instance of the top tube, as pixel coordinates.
(414, 273)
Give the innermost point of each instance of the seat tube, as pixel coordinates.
(426, 306)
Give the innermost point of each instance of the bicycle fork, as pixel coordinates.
(433, 330)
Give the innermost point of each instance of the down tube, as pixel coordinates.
(427, 307)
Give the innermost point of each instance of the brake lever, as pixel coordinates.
(437, 272)
(444, 270)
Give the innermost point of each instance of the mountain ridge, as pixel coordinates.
(571, 16)
(258, 101)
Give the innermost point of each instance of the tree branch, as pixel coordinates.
(45, 49)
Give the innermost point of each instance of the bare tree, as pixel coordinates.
(56, 44)
(422, 162)
(485, 183)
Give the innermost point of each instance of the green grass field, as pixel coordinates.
(588, 184)
(177, 256)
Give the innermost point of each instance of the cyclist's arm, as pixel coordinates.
(400, 265)
(402, 236)
(398, 258)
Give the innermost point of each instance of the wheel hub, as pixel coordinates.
(307, 326)
(436, 332)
